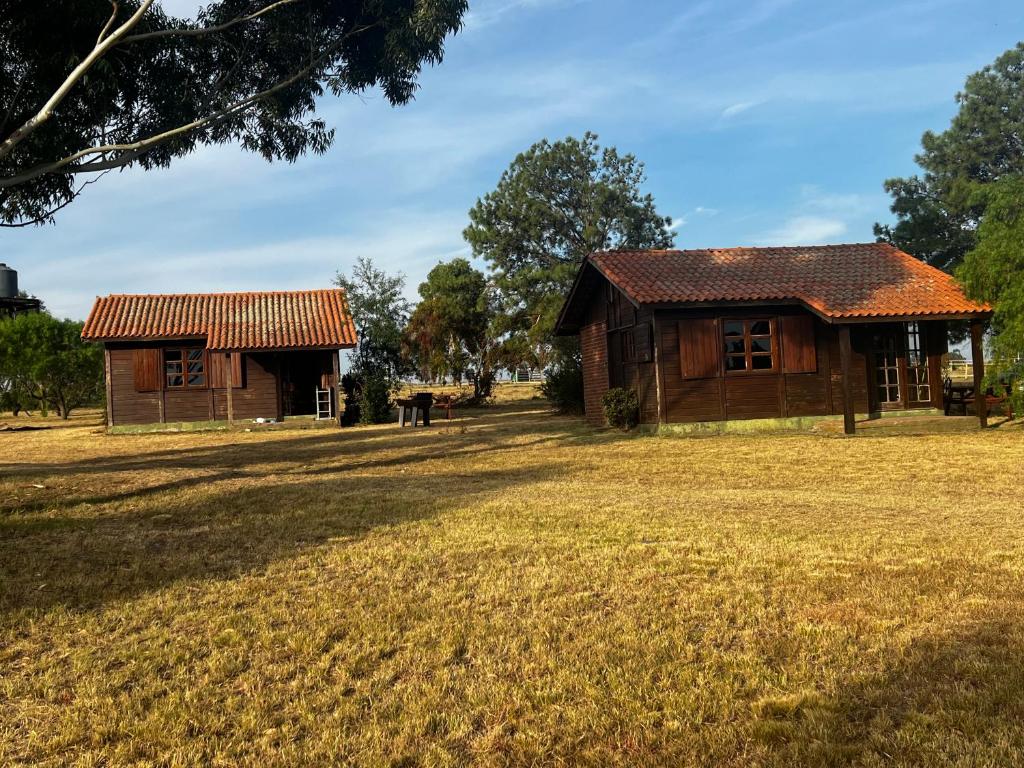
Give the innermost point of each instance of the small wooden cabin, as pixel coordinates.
(209, 357)
(766, 333)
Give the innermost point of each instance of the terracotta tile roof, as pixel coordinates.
(238, 321)
(839, 281)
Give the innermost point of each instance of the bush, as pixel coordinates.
(375, 402)
(564, 386)
(621, 408)
(352, 392)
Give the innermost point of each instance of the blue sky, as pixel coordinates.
(760, 122)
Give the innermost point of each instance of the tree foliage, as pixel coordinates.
(450, 332)
(938, 212)
(45, 364)
(90, 86)
(380, 312)
(554, 205)
(993, 271)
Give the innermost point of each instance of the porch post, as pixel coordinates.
(657, 363)
(338, 405)
(108, 385)
(230, 356)
(845, 355)
(978, 356)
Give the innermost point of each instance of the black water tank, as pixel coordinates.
(8, 282)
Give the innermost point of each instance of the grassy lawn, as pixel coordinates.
(512, 588)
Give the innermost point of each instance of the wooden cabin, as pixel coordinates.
(766, 333)
(223, 356)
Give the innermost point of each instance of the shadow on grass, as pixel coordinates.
(236, 507)
(949, 698)
(334, 452)
(85, 562)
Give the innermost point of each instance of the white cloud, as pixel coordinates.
(804, 230)
(739, 108)
(484, 14)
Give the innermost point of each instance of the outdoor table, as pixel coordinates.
(415, 408)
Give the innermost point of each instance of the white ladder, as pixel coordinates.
(324, 404)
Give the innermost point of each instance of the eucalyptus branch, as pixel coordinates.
(134, 149)
(46, 112)
(109, 24)
(44, 217)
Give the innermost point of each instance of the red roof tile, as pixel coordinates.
(838, 281)
(238, 321)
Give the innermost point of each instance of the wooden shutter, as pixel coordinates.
(218, 362)
(700, 349)
(798, 347)
(146, 367)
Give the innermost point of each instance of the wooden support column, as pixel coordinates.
(657, 364)
(339, 406)
(978, 356)
(109, 386)
(845, 360)
(231, 384)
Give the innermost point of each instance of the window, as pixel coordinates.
(749, 346)
(184, 368)
(918, 385)
(887, 372)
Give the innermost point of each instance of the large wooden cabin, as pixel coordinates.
(225, 356)
(766, 333)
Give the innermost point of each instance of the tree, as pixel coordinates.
(450, 331)
(44, 363)
(993, 272)
(110, 85)
(938, 213)
(554, 205)
(380, 312)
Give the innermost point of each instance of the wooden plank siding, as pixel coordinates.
(258, 398)
(718, 397)
(133, 366)
(594, 353)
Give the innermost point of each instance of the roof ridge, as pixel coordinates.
(718, 249)
(297, 292)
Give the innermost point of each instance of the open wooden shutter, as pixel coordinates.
(146, 365)
(700, 349)
(219, 362)
(798, 348)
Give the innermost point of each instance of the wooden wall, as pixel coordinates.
(594, 351)
(259, 397)
(762, 395)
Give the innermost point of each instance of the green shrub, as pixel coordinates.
(621, 408)
(375, 401)
(564, 386)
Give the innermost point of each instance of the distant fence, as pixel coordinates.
(962, 369)
(524, 375)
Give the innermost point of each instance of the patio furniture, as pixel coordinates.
(961, 396)
(415, 408)
(447, 404)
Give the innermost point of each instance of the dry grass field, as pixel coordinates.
(512, 589)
